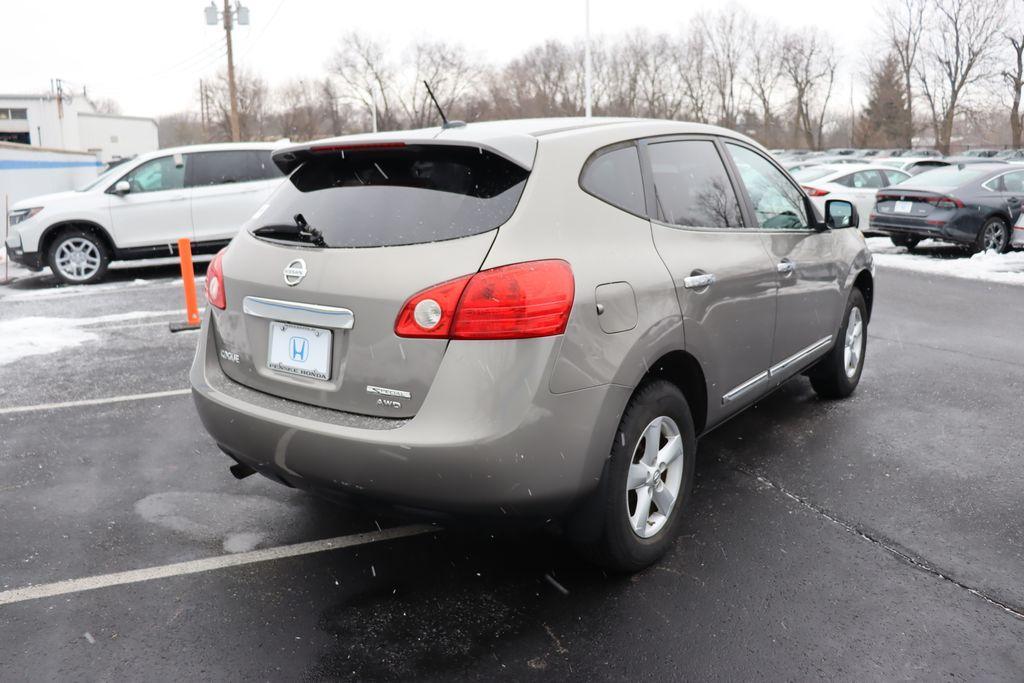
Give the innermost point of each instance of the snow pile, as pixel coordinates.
(936, 258)
(37, 336)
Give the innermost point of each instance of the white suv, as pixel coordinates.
(141, 208)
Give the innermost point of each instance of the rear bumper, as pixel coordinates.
(480, 444)
(1017, 237)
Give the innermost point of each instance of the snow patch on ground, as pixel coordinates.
(37, 335)
(935, 258)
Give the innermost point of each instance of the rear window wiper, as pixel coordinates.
(309, 232)
(301, 229)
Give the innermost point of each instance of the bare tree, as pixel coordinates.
(809, 64)
(365, 73)
(904, 22)
(698, 88)
(765, 70)
(727, 36)
(956, 54)
(105, 105)
(1014, 78)
(451, 75)
(253, 108)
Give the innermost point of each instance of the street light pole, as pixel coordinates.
(236, 135)
(586, 63)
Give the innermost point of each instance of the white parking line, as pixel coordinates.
(49, 590)
(95, 401)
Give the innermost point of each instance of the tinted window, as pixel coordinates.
(236, 166)
(691, 185)
(389, 197)
(614, 176)
(778, 204)
(159, 174)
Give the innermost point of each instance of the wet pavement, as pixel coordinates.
(877, 537)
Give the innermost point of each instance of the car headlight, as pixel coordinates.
(21, 215)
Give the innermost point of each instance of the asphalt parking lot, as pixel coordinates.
(880, 537)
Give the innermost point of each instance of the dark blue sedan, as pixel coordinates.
(973, 205)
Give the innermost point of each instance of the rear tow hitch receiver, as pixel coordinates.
(240, 471)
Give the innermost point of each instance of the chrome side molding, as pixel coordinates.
(744, 388)
(800, 355)
(300, 314)
(776, 369)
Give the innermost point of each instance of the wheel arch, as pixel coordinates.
(54, 231)
(865, 282)
(684, 370)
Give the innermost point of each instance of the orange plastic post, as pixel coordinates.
(188, 278)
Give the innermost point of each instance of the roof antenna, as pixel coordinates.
(446, 123)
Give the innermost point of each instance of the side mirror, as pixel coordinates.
(122, 187)
(841, 214)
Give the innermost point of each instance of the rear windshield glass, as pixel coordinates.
(391, 197)
(945, 178)
(812, 173)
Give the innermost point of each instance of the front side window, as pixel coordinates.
(157, 175)
(613, 175)
(778, 204)
(691, 185)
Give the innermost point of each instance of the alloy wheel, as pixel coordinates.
(655, 477)
(78, 259)
(854, 342)
(995, 237)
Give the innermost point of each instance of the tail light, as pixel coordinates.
(947, 203)
(518, 301)
(215, 282)
(815, 192)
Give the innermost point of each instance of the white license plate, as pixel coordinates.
(300, 350)
(903, 207)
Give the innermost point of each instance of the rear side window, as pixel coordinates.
(691, 185)
(862, 180)
(235, 166)
(391, 197)
(613, 175)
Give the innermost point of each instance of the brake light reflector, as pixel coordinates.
(815, 192)
(518, 301)
(356, 146)
(215, 282)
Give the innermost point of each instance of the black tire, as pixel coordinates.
(907, 241)
(1000, 234)
(601, 528)
(829, 377)
(93, 246)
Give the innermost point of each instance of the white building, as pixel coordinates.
(73, 124)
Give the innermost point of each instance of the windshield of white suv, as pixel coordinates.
(103, 177)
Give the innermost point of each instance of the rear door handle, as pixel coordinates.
(699, 281)
(785, 267)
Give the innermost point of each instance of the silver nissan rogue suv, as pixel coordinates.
(531, 318)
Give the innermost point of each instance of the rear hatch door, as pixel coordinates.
(317, 278)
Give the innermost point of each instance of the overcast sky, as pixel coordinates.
(149, 55)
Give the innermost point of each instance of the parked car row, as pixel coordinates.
(973, 199)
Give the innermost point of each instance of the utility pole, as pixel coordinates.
(586, 63)
(229, 16)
